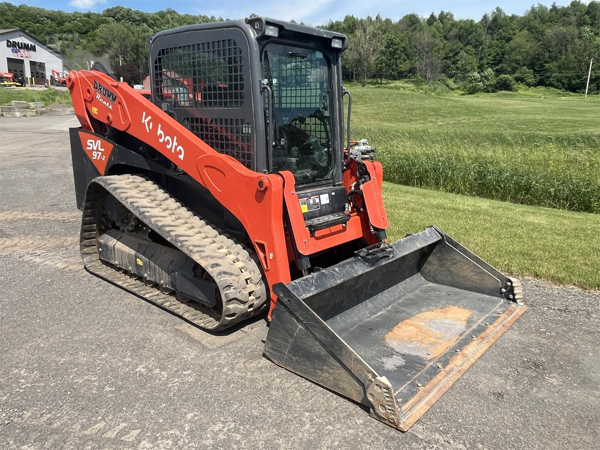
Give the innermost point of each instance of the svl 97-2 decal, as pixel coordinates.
(97, 149)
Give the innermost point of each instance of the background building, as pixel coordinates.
(24, 56)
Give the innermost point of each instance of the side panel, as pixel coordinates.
(324, 240)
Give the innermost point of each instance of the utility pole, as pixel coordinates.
(587, 87)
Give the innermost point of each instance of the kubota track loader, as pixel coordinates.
(236, 189)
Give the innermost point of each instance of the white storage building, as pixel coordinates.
(26, 57)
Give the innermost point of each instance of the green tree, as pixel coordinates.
(410, 23)
(392, 60)
(427, 49)
(365, 47)
(473, 83)
(593, 12)
(504, 83)
(519, 52)
(525, 76)
(488, 79)
(125, 43)
(466, 63)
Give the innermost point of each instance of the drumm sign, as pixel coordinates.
(21, 45)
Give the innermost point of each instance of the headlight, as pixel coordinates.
(272, 31)
(337, 43)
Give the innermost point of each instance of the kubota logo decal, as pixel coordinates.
(97, 149)
(170, 142)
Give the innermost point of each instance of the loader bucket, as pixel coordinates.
(393, 334)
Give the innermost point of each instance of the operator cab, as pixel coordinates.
(265, 92)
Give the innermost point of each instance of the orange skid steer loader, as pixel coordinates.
(235, 190)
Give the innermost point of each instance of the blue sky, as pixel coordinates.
(314, 12)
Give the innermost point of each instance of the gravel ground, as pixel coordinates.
(84, 364)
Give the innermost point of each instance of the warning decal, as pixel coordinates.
(310, 203)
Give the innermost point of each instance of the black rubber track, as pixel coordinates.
(230, 264)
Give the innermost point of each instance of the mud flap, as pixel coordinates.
(394, 334)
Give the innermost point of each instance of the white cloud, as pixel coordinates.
(85, 4)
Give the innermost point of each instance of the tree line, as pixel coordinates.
(547, 46)
(118, 34)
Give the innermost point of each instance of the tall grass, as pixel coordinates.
(557, 171)
(522, 150)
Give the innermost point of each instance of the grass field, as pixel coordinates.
(560, 246)
(48, 96)
(514, 147)
(517, 148)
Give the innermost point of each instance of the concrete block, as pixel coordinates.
(16, 112)
(7, 109)
(19, 104)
